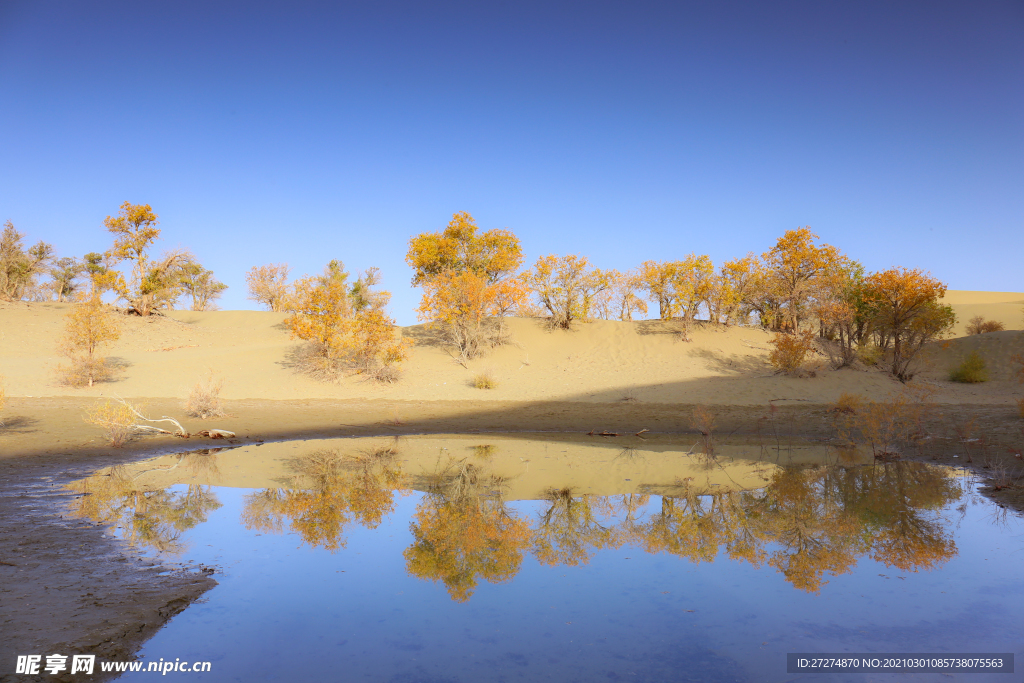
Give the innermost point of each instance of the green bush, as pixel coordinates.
(971, 370)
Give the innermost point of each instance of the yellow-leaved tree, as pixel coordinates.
(566, 287)
(346, 326)
(907, 314)
(268, 285)
(88, 326)
(619, 301)
(796, 268)
(151, 284)
(469, 280)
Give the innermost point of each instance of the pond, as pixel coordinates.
(566, 558)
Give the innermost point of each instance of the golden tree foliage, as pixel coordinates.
(735, 290)
(200, 285)
(19, 266)
(795, 267)
(907, 313)
(789, 351)
(346, 325)
(467, 278)
(566, 287)
(495, 254)
(268, 285)
(88, 326)
(657, 279)
(461, 539)
(619, 301)
(693, 286)
(679, 287)
(151, 285)
(330, 491)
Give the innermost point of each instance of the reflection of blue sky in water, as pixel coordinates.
(286, 611)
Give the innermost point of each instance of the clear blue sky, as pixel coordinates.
(302, 132)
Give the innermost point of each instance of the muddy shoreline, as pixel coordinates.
(69, 587)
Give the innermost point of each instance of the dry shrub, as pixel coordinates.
(84, 371)
(870, 354)
(204, 399)
(485, 380)
(117, 420)
(847, 403)
(978, 325)
(630, 396)
(704, 422)
(3, 397)
(884, 425)
(1020, 406)
(971, 370)
(789, 351)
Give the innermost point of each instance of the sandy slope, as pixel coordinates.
(1005, 307)
(161, 357)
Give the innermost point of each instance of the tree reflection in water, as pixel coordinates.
(809, 523)
(153, 518)
(329, 491)
(464, 532)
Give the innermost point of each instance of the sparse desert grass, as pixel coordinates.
(117, 419)
(204, 398)
(789, 351)
(978, 325)
(485, 380)
(484, 451)
(631, 395)
(971, 370)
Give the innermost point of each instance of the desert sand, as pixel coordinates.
(635, 374)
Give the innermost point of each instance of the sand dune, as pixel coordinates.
(602, 361)
(1005, 307)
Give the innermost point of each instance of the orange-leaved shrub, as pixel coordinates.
(789, 351)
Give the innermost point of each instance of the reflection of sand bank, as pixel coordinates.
(528, 468)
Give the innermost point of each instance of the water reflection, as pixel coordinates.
(148, 517)
(809, 523)
(329, 491)
(464, 532)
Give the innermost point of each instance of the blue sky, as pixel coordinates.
(302, 132)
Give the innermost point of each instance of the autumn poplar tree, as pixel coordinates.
(19, 266)
(907, 313)
(268, 285)
(566, 286)
(201, 286)
(88, 326)
(151, 284)
(468, 277)
(346, 325)
(795, 267)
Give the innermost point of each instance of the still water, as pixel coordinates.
(505, 558)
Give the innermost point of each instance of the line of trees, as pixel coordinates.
(472, 280)
(148, 284)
